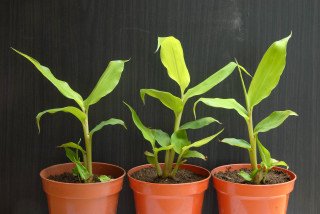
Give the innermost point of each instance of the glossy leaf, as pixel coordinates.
(69, 109)
(179, 139)
(62, 86)
(211, 81)
(223, 103)
(161, 137)
(204, 141)
(246, 176)
(237, 142)
(71, 155)
(194, 154)
(275, 162)
(171, 54)
(107, 82)
(197, 124)
(268, 72)
(172, 102)
(83, 171)
(264, 154)
(111, 121)
(73, 146)
(146, 132)
(274, 120)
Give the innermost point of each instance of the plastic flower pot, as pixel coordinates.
(186, 198)
(83, 198)
(249, 198)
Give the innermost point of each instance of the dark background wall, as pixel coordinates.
(76, 39)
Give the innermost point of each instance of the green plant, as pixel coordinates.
(171, 54)
(107, 82)
(263, 82)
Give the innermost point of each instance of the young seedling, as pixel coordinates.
(171, 54)
(107, 82)
(263, 82)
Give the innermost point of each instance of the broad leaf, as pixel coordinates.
(146, 132)
(74, 146)
(107, 82)
(204, 141)
(104, 178)
(237, 142)
(150, 157)
(172, 102)
(264, 154)
(171, 54)
(112, 121)
(275, 162)
(83, 171)
(197, 124)
(164, 148)
(194, 154)
(179, 139)
(62, 86)
(223, 103)
(268, 72)
(71, 155)
(274, 120)
(161, 137)
(211, 81)
(246, 176)
(69, 109)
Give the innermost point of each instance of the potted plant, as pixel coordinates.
(173, 186)
(82, 186)
(255, 188)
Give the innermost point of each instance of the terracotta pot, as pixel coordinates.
(252, 199)
(71, 198)
(186, 198)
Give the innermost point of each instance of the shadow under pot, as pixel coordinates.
(159, 198)
(83, 198)
(250, 198)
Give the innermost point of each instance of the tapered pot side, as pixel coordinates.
(83, 198)
(249, 198)
(186, 198)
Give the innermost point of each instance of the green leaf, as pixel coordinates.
(104, 178)
(222, 103)
(171, 54)
(146, 132)
(197, 124)
(62, 86)
(275, 162)
(74, 146)
(83, 171)
(71, 155)
(172, 102)
(150, 157)
(204, 141)
(274, 120)
(107, 82)
(179, 139)
(268, 72)
(194, 154)
(161, 137)
(246, 176)
(111, 121)
(69, 109)
(156, 150)
(211, 81)
(264, 154)
(237, 142)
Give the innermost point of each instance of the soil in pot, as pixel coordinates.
(150, 175)
(273, 176)
(68, 177)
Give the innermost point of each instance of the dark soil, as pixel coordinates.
(273, 177)
(67, 177)
(150, 175)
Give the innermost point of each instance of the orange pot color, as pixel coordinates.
(252, 199)
(71, 198)
(186, 198)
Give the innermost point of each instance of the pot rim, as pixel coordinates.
(161, 184)
(289, 172)
(83, 184)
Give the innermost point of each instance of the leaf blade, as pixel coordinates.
(197, 124)
(268, 72)
(111, 121)
(237, 142)
(194, 154)
(204, 141)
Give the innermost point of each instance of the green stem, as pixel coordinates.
(88, 145)
(253, 142)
